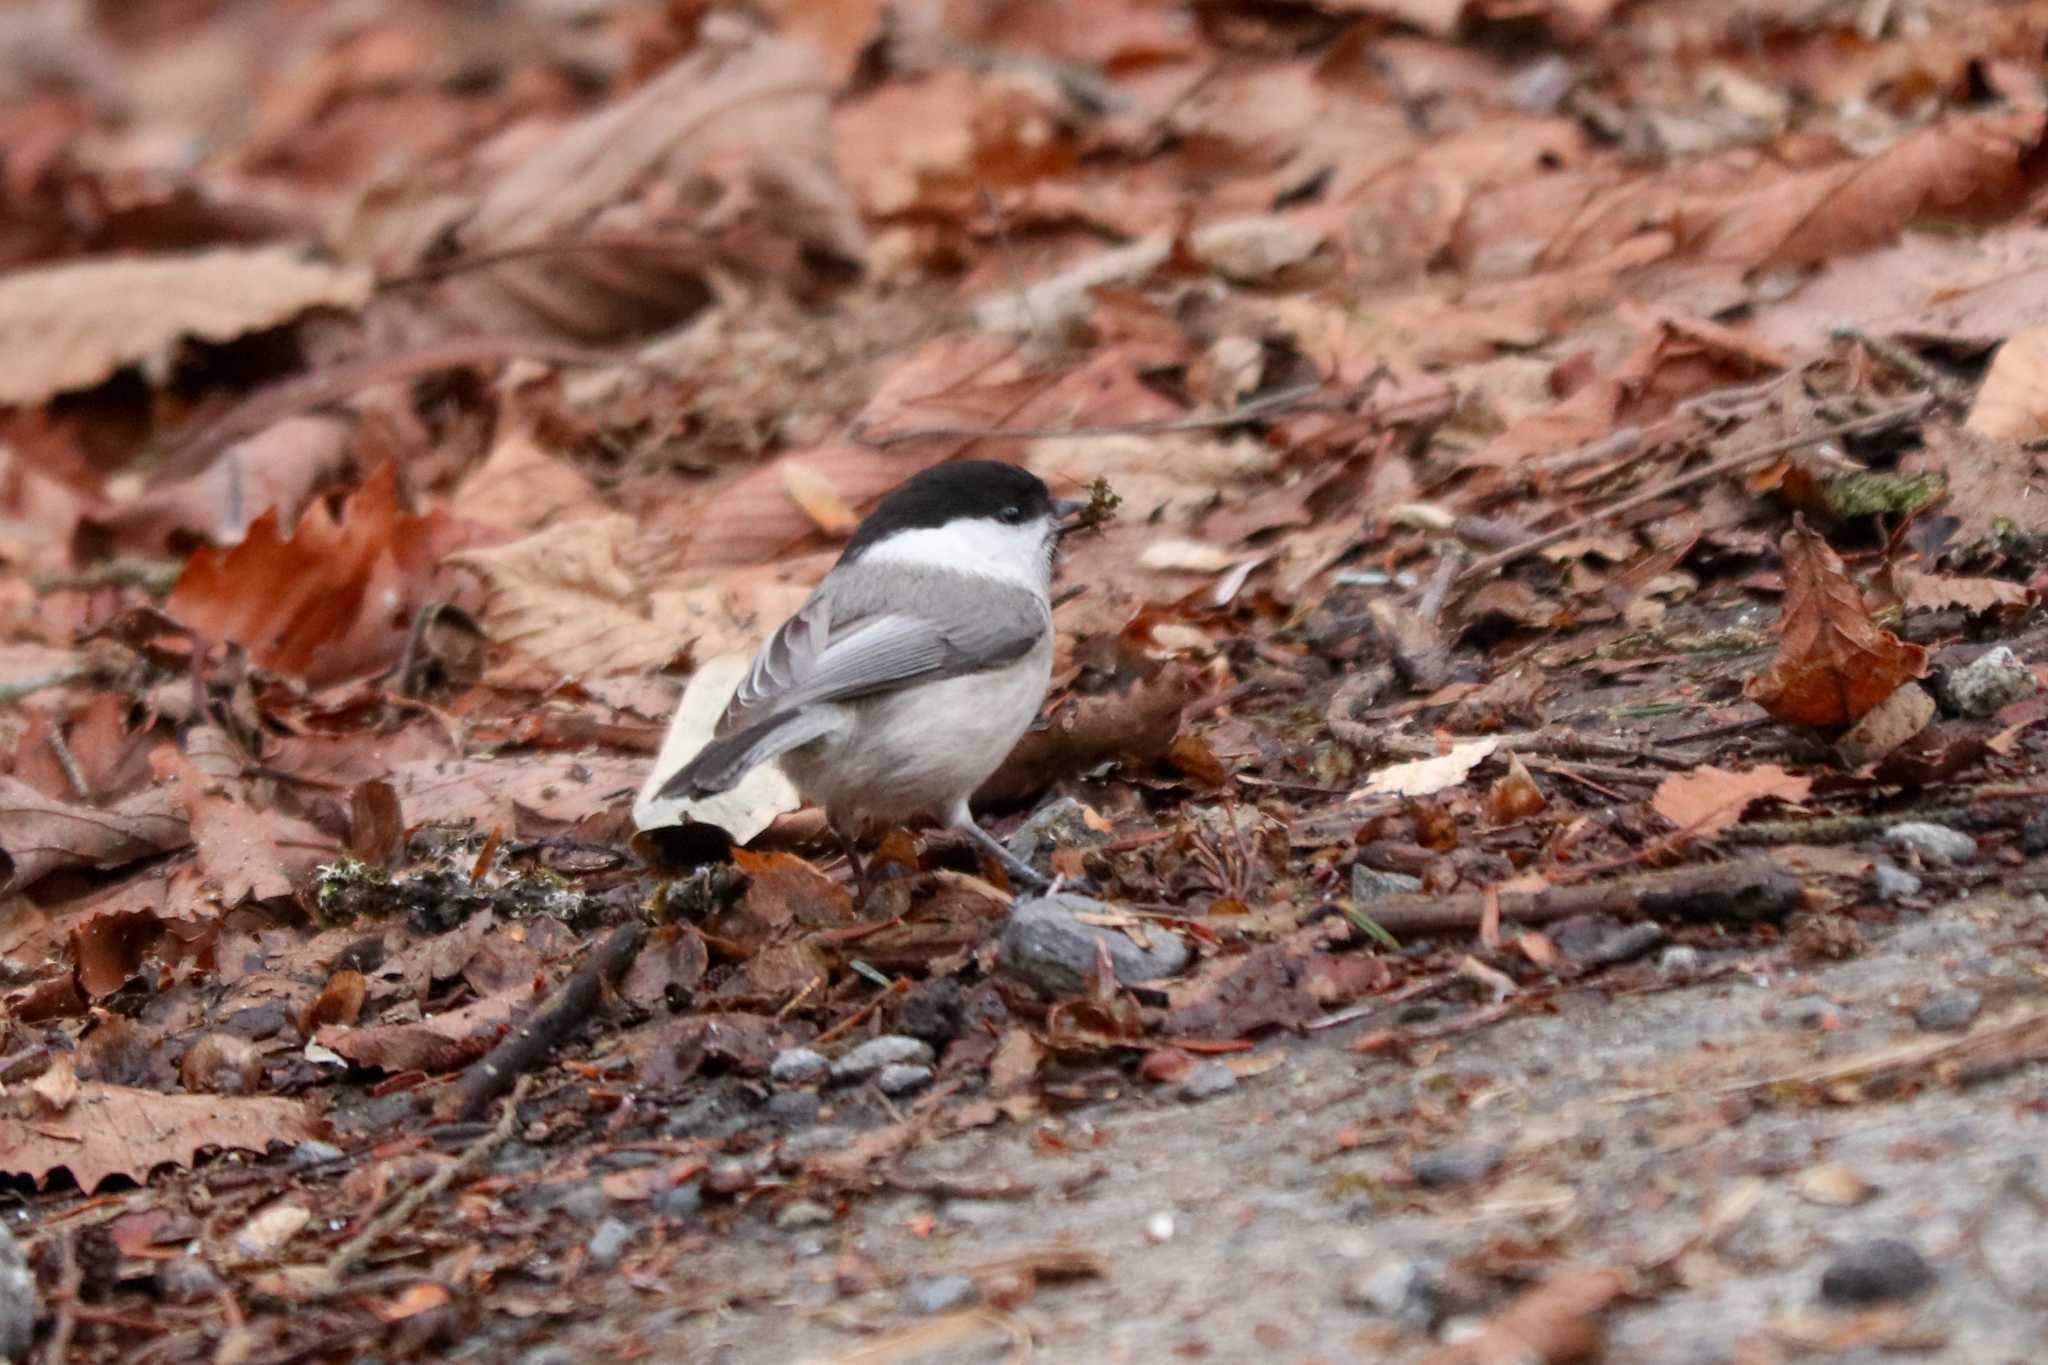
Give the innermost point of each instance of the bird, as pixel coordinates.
(903, 681)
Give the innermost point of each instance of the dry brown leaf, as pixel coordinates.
(1556, 1323)
(117, 1130)
(333, 600)
(1992, 488)
(561, 599)
(39, 835)
(280, 467)
(1833, 662)
(724, 159)
(1961, 164)
(439, 1042)
(72, 326)
(1707, 800)
(515, 793)
(2012, 405)
(522, 486)
(1932, 592)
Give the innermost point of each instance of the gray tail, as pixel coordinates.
(720, 764)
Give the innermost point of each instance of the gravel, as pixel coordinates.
(608, 1242)
(1046, 947)
(1949, 1012)
(1370, 884)
(1989, 683)
(798, 1066)
(1206, 1079)
(1889, 883)
(1063, 823)
(1447, 1166)
(938, 1294)
(1935, 845)
(17, 1299)
(891, 1049)
(902, 1078)
(1398, 1287)
(1879, 1270)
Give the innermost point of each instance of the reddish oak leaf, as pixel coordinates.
(335, 598)
(1833, 662)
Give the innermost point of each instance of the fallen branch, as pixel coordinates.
(1551, 742)
(565, 1010)
(350, 1253)
(1742, 891)
(1727, 464)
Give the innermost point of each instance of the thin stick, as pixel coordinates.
(1729, 464)
(72, 1279)
(403, 1208)
(1287, 400)
(28, 687)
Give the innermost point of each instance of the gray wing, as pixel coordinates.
(819, 657)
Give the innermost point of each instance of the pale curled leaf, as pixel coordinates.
(2012, 405)
(742, 812)
(1427, 776)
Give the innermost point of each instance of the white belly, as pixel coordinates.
(916, 752)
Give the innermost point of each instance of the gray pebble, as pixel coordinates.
(1879, 1270)
(184, 1279)
(804, 1213)
(312, 1152)
(709, 1116)
(608, 1242)
(1396, 1287)
(1949, 1012)
(1044, 946)
(1810, 1011)
(793, 1108)
(1936, 845)
(585, 1201)
(1063, 823)
(797, 1066)
(681, 1202)
(890, 1049)
(1448, 1166)
(938, 1294)
(1989, 683)
(902, 1078)
(1889, 883)
(1680, 959)
(800, 1147)
(1205, 1079)
(17, 1299)
(1370, 884)
(551, 1355)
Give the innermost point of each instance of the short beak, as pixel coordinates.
(1068, 511)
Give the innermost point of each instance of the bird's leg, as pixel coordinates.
(844, 834)
(960, 819)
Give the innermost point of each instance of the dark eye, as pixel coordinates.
(1012, 515)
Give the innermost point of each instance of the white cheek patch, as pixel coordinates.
(1013, 554)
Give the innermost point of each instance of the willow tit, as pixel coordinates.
(904, 680)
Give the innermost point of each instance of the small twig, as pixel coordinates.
(1287, 400)
(402, 1209)
(1552, 743)
(71, 1280)
(1898, 357)
(1728, 464)
(28, 687)
(1745, 891)
(68, 761)
(525, 1047)
(154, 576)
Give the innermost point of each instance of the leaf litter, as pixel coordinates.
(1543, 486)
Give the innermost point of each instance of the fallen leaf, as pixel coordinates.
(336, 598)
(1708, 800)
(1427, 776)
(1832, 1186)
(1555, 1323)
(38, 835)
(2012, 404)
(747, 808)
(265, 1234)
(1833, 662)
(117, 1130)
(562, 600)
(1932, 592)
(71, 326)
